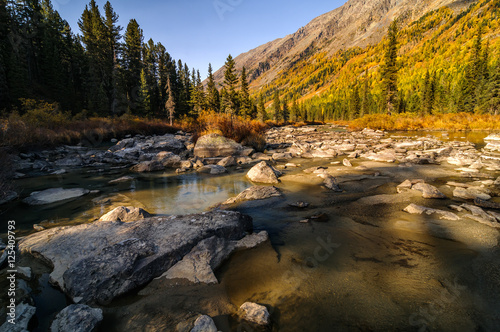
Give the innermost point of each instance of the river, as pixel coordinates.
(360, 267)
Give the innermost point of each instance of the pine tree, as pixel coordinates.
(245, 101)
(230, 82)
(170, 103)
(428, 93)
(213, 97)
(492, 103)
(295, 111)
(365, 99)
(277, 106)
(285, 112)
(390, 70)
(133, 64)
(355, 102)
(261, 109)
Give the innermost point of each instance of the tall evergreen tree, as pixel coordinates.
(230, 83)
(285, 111)
(213, 98)
(493, 90)
(390, 69)
(132, 65)
(277, 106)
(365, 96)
(261, 109)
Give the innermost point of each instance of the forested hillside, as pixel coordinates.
(447, 61)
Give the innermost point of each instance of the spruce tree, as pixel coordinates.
(285, 111)
(261, 109)
(213, 98)
(295, 111)
(492, 103)
(132, 58)
(389, 69)
(277, 106)
(230, 83)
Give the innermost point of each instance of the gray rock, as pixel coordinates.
(148, 166)
(214, 145)
(387, 156)
(254, 313)
(282, 156)
(77, 318)
(24, 313)
(478, 212)
(198, 266)
(470, 193)
(347, 163)
(121, 180)
(330, 182)
(8, 197)
(54, 195)
(264, 173)
(168, 159)
(486, 204)
(99, 261)
(428, 191)
(416, 209)
(125, 214)
(299, 204)
(227, 162)
(212, 169)
(254, 193)
(204, 323)
(24, 272)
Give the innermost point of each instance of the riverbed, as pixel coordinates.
(362, 265)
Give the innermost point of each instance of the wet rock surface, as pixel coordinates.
(94, 263)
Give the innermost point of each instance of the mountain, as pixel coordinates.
(358, 23)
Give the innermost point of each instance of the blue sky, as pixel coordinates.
(200, 32)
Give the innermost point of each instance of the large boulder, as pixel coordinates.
(264, 173)
(94, 263)
(77, 318)
(54, 195)
(215, 145)
(125, 214)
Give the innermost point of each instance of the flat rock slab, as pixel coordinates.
(53, 195)
(254, 193)
(94, 263)
(416, 209)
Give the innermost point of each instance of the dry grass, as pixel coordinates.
(405, 121)
(21, 133)
(248, 132)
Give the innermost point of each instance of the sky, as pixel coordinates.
(200, 32)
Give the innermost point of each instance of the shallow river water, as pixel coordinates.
(361, 267)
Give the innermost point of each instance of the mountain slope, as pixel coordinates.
(357, 23)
